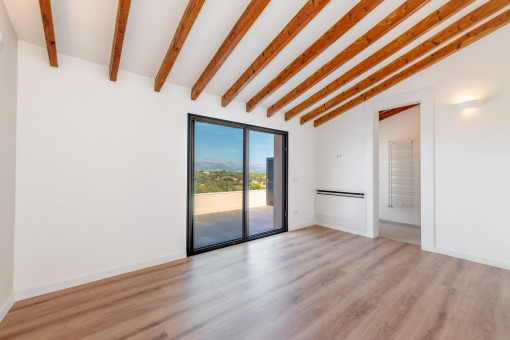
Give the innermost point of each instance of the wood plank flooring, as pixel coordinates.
(314, 283)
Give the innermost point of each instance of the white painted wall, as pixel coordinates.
(102, 172)
(8, 93)
(402, 127)
(472, 149)
(342, 139)
(340, 154)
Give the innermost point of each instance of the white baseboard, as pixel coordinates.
(76, 281)
(6, 307)
(302, 225)
(474, 258)
(347, 230)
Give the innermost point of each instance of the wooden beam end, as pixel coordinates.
(224, 101)
(194, 93)
(269, 115)
(270, 111)
(249, 107)
(288, 116)
(113, 74)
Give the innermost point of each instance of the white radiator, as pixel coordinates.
(342, 210)
(400, 174)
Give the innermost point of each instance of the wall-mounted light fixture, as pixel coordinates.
(470, 104)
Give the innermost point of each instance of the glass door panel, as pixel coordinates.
(218, 184)
(266, 166)
(237, 178)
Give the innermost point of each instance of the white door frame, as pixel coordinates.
(425, 98)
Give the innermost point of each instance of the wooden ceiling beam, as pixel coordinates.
(464, 41)
(476, 16)
(118, 38)
(247, 19)
(393, 112)
(188, 19)
(300, 20)
(342, 26)
(374, 34)
(49, 32)
(425, 25)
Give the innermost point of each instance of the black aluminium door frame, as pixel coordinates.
(192, 118)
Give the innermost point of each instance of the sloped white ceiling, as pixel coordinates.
(84, 29)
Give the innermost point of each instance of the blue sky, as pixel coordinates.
(226, 143)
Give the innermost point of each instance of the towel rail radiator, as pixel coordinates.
(400, 174)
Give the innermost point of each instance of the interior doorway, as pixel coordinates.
(371, 109)
(399, 174)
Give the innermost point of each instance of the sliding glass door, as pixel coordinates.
(218, 184)
(266, 182)
(237, 182)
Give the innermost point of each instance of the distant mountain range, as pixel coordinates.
(216, 164)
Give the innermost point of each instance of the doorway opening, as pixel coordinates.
(399, 174)
(237, 183)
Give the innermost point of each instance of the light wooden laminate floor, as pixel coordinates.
(314, 283)
(401, 233)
